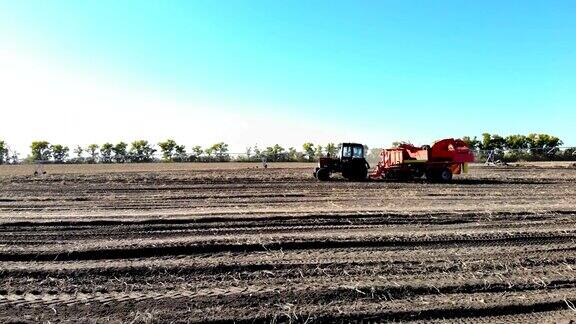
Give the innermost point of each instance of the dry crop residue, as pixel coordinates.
(247, 244)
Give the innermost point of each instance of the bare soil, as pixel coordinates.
(233, 242)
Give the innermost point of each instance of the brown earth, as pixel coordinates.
(232, 242)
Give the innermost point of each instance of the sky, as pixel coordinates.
(287, 72)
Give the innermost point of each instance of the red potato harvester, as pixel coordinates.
(437, 162)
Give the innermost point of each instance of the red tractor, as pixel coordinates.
(437, 162)
(350, 162)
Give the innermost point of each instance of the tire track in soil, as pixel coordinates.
(524, 256)
(194, 249)
(317, 296)
(525, 313)
(39, 236)
(538, 316)
(316, 293)
(287, 219)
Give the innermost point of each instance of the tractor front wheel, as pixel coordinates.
(323, 174)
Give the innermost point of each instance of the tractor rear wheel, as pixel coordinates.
(363, 174)
(323, 174)
(358, 173)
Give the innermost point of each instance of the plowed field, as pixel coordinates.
(232, 242)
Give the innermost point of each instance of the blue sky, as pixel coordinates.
(249, 72)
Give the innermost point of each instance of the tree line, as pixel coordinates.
(531, 147)
(512, 148)
(167, 151)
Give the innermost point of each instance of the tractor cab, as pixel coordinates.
(349, 151)
(350, 162)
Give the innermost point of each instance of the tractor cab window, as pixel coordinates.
(349, 151)
(357, 152)
(346, 151)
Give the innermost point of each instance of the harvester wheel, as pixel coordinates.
(431, 175)
(445, 174)
(417, 173)
(323, 174)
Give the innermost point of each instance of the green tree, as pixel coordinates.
(533, 140)
(180, 153)
(196, 152)
(331, 149)
(487, 142)
(120, 153)
(492, 142)
(14, 158)
(543, 141)
(40, 151)
(106, 152)
(569, 154)
(472, 143)
(543, 144)
(318, 153)
(294, 155)
(257, 152)
(59, 152)
(275, 153)
(309, 150)
(516, 142)
(141, 151)
(3, 152)
(498, 142)
(220, 150)
(93, 151)
(79, 151)
(167, 147)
